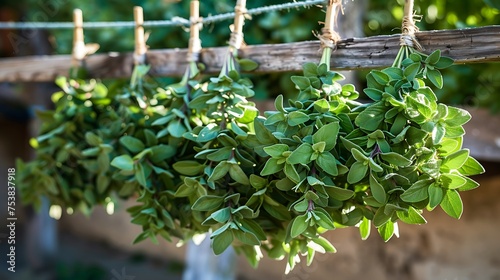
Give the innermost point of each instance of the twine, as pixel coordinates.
(194, 47)
(329, 37)
(409, 28)
(236, 38)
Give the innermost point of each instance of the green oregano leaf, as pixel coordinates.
(452, 204)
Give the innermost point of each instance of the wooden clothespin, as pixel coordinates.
(80, 49)
(79, 52)
(140, 37)
(194, 47)
(236, 39)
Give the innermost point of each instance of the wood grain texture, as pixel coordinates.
(465, 46)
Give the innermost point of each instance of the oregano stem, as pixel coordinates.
(329, 36)
(325, 58)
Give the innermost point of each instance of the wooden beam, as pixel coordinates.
(465, 46)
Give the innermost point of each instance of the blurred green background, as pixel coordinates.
(473, 85)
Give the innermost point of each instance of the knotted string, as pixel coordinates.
(408, 28)
(329, 37)
(236, 39)
(194, 48)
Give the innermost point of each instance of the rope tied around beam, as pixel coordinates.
(329, 37)
(408, 28)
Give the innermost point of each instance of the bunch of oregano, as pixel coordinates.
(199, 159)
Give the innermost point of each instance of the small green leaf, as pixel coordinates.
(438, 134)
(276, 210)
(301, 82)
(237, 130)
(436, 194)
(278, 104)
(374, 167)
(386, 231)
(327, 162)
(257, 182)
(471, 167)
(435, 77)
(339, 193)
(365, 228)
(373, 93)
(92, 139)
(91, 152)
(380, 217)
(357, 172)
(417, 192)
(452, 181)
(295, 118)
(161, 152)
(221, 215)
(301, 155)
(411, 217)
(323, 242)
(328, 134)
(207, 203)
(176, 128)
(434, 57)
(102, 183)
(249, 115)
(220, 171)
(455, 160)
(358, 155)
(457, 117)
(254, 227)
(322, 106)
(188, 167)
(470, 185)
(444, 62)
(208, 133)
(237, 174)
(371, 118)
(184, 191)
(319, 147)
(452, 204)
(276, 151)
(292, 173)
(325, 220)
(396, 159)
(140, 175)
(273, 118)
(132, 144)
(299, 225)
(310, 69)
(247, 64)
(411, 71)
(222, 241)
(123, 162)
(377, 190)
(381, 77)
(246, 237)
(271, 167)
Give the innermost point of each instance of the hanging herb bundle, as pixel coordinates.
(201, 160)
(212, 167)
(152, 154)
(78, 139)
(338, 163)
